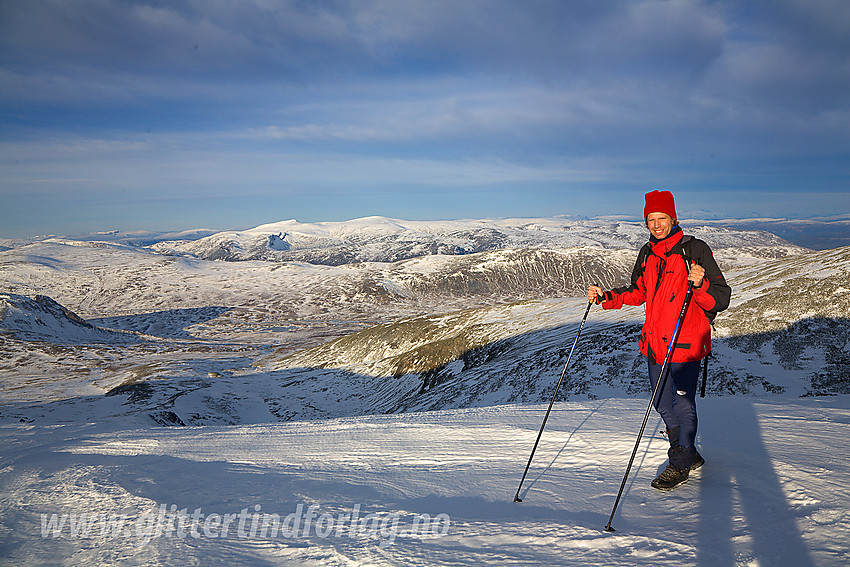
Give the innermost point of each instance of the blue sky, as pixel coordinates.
(188, 114)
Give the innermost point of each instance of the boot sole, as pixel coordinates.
(669, 488)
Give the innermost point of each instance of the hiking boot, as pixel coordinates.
(670, 478)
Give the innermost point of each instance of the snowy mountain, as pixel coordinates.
(380, 239)
(295, 391)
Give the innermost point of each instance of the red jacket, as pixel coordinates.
(660, 279)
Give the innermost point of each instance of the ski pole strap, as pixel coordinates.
(704, 375)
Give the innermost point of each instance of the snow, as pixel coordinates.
(435, 488)
(235, 349)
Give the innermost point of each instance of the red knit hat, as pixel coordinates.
(659, 202)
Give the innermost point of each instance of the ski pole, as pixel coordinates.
(659, 385)
(557, 387)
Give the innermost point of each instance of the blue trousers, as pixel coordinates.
(677, 400)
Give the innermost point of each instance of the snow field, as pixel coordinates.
(771, 493)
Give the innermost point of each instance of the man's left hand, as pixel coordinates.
(696, 274)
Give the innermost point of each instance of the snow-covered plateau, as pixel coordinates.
(368, 393)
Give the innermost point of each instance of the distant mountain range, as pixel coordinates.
(470, 235)
(379, 239)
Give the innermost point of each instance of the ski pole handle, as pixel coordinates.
(596, 298)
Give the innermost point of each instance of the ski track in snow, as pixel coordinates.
(773, 491)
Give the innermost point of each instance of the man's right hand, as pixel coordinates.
(594, 294)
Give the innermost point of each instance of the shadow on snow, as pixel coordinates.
(170, 323)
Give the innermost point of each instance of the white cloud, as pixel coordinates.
(202, 96)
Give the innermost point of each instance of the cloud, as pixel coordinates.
(188, 94)
(219, 52)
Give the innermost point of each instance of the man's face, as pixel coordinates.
(659, 224)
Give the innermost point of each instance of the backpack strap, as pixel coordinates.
(643, 255)
(686, 249)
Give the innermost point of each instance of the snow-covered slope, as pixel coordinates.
(433, 488)
(288, 304)
(42, 318)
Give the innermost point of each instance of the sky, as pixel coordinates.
(126, 115)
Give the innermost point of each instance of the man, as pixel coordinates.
(666, 265)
